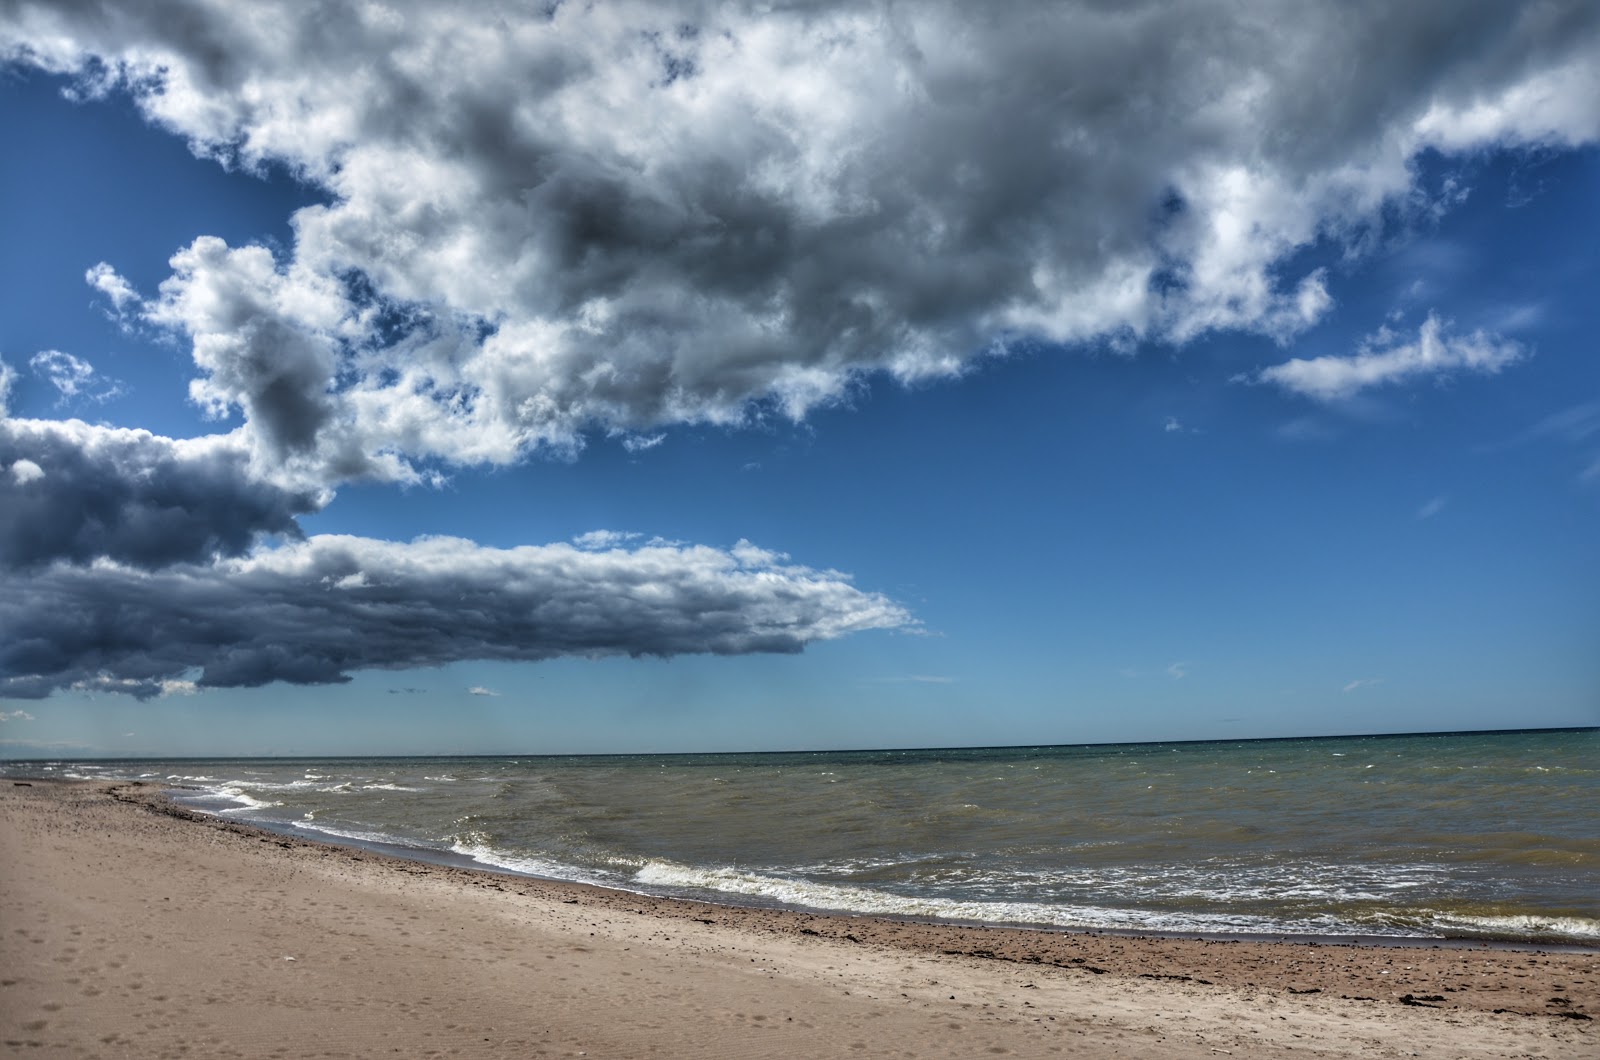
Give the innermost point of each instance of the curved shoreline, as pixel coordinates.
(115, 873)
(451, 859)
(154, 796)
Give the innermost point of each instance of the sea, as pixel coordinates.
(1490, 836)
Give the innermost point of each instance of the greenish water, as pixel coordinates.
(1458, 835)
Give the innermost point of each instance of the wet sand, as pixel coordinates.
(132, 927)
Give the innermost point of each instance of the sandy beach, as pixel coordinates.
(135, 928)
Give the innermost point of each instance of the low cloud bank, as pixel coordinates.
(313, 611)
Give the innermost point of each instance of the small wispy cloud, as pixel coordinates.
(16, 715)
(1383, 359)
(638, 443)
(1307, 429)
(1178, 670)
(406, 691)
(108, 282)
(480, 690)
(1432, 508)
(600, 540)
(1575, 425)
(73, 377)
(1364, 682)
(1172, 426)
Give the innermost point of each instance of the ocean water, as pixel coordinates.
(1493, 836)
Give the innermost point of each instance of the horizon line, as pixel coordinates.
(820, 751)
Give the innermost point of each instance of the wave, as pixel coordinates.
(1519, 927)
(530, 865)
(810, 894)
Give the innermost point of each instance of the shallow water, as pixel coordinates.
(1459, 835)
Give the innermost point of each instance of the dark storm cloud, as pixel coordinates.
(312, 612)
(74, 492)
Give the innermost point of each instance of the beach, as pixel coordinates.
(134, 927)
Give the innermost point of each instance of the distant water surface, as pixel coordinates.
(1459, 835)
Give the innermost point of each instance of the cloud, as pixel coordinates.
(544, 220)
(1574, 425)
(16, 715)
(269, 340)
(313, 611)
(25, 472)
(73, 377)
(638, 443)
(74, 492)
(1383, 360)
(1172, 425)
(479, 690)
(596, 540)
(1432, 508)
(1365, 682)
(120, 292)
(142, 688)
(1306, 429)
(1178, 670)
(8, 379)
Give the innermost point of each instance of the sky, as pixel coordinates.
(434, 377)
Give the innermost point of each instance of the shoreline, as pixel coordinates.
(463, 862)
(118, 852)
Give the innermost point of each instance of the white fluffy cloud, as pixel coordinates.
(1384, 359)
(542, 220)
(312, 611)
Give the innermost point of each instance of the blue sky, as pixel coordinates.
(1328, 462)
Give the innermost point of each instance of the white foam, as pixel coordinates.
(246, 801)
(1577, 928)
(492, 857)
(310, 824)
(813, 895)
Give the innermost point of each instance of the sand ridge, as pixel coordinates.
(133, 927)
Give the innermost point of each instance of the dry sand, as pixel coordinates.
(129, 927)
